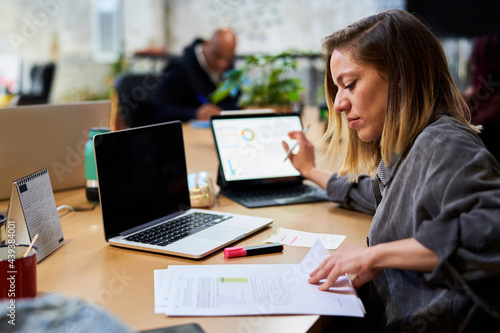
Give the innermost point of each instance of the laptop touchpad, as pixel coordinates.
(219, 233)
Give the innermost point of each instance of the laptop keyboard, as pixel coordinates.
(173, 230)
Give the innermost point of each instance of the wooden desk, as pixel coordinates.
(121, 280)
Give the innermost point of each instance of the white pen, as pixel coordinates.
(296, 143)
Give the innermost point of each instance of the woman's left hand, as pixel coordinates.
(354, 260)
(367, 263)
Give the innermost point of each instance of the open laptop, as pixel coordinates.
(48, 136)
(144, 196)
(253, 170)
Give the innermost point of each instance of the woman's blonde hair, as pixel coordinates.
(421, 89)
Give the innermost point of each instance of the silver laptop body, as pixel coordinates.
(142, 179)
(48, 136)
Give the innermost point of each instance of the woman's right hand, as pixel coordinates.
(304, 160)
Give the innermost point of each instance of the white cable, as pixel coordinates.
(65, 206)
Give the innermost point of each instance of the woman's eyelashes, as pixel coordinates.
(350, 86)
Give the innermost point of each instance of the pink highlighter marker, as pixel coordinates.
(231, 252)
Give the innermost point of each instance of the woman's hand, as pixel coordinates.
(367, 263)
(304, 160)
(353, 260)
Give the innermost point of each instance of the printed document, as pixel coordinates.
(301, 238)
(226, 290)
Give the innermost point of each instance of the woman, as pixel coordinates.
(433, 260)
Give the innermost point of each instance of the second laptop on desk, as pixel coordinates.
(253, 169)
(48, 136)
(144, 196)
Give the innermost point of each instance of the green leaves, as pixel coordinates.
(262, 81)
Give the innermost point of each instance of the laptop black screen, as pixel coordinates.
(142, 175)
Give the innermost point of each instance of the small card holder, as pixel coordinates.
(32, 210)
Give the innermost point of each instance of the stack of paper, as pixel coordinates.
(226, 290)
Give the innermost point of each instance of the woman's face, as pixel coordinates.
(362, 95)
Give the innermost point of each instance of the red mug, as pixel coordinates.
(17, 273)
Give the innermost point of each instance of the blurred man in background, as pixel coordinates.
(187, 83)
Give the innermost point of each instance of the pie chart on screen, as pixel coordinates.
(247, 134)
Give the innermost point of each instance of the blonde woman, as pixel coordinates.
(433, 260)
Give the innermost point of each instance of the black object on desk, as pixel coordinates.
(187, 328)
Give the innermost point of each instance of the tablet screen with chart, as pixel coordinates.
(250, 147)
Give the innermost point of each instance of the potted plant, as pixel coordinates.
(261, 82)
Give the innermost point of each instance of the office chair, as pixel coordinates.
(42, 77)
(135, 94)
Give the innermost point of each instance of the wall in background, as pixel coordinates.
(61, 31)
(267, 25)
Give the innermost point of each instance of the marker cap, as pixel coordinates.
(231, 252)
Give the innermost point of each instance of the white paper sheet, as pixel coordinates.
(301, 238)
(162, 285)
(226, 290)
